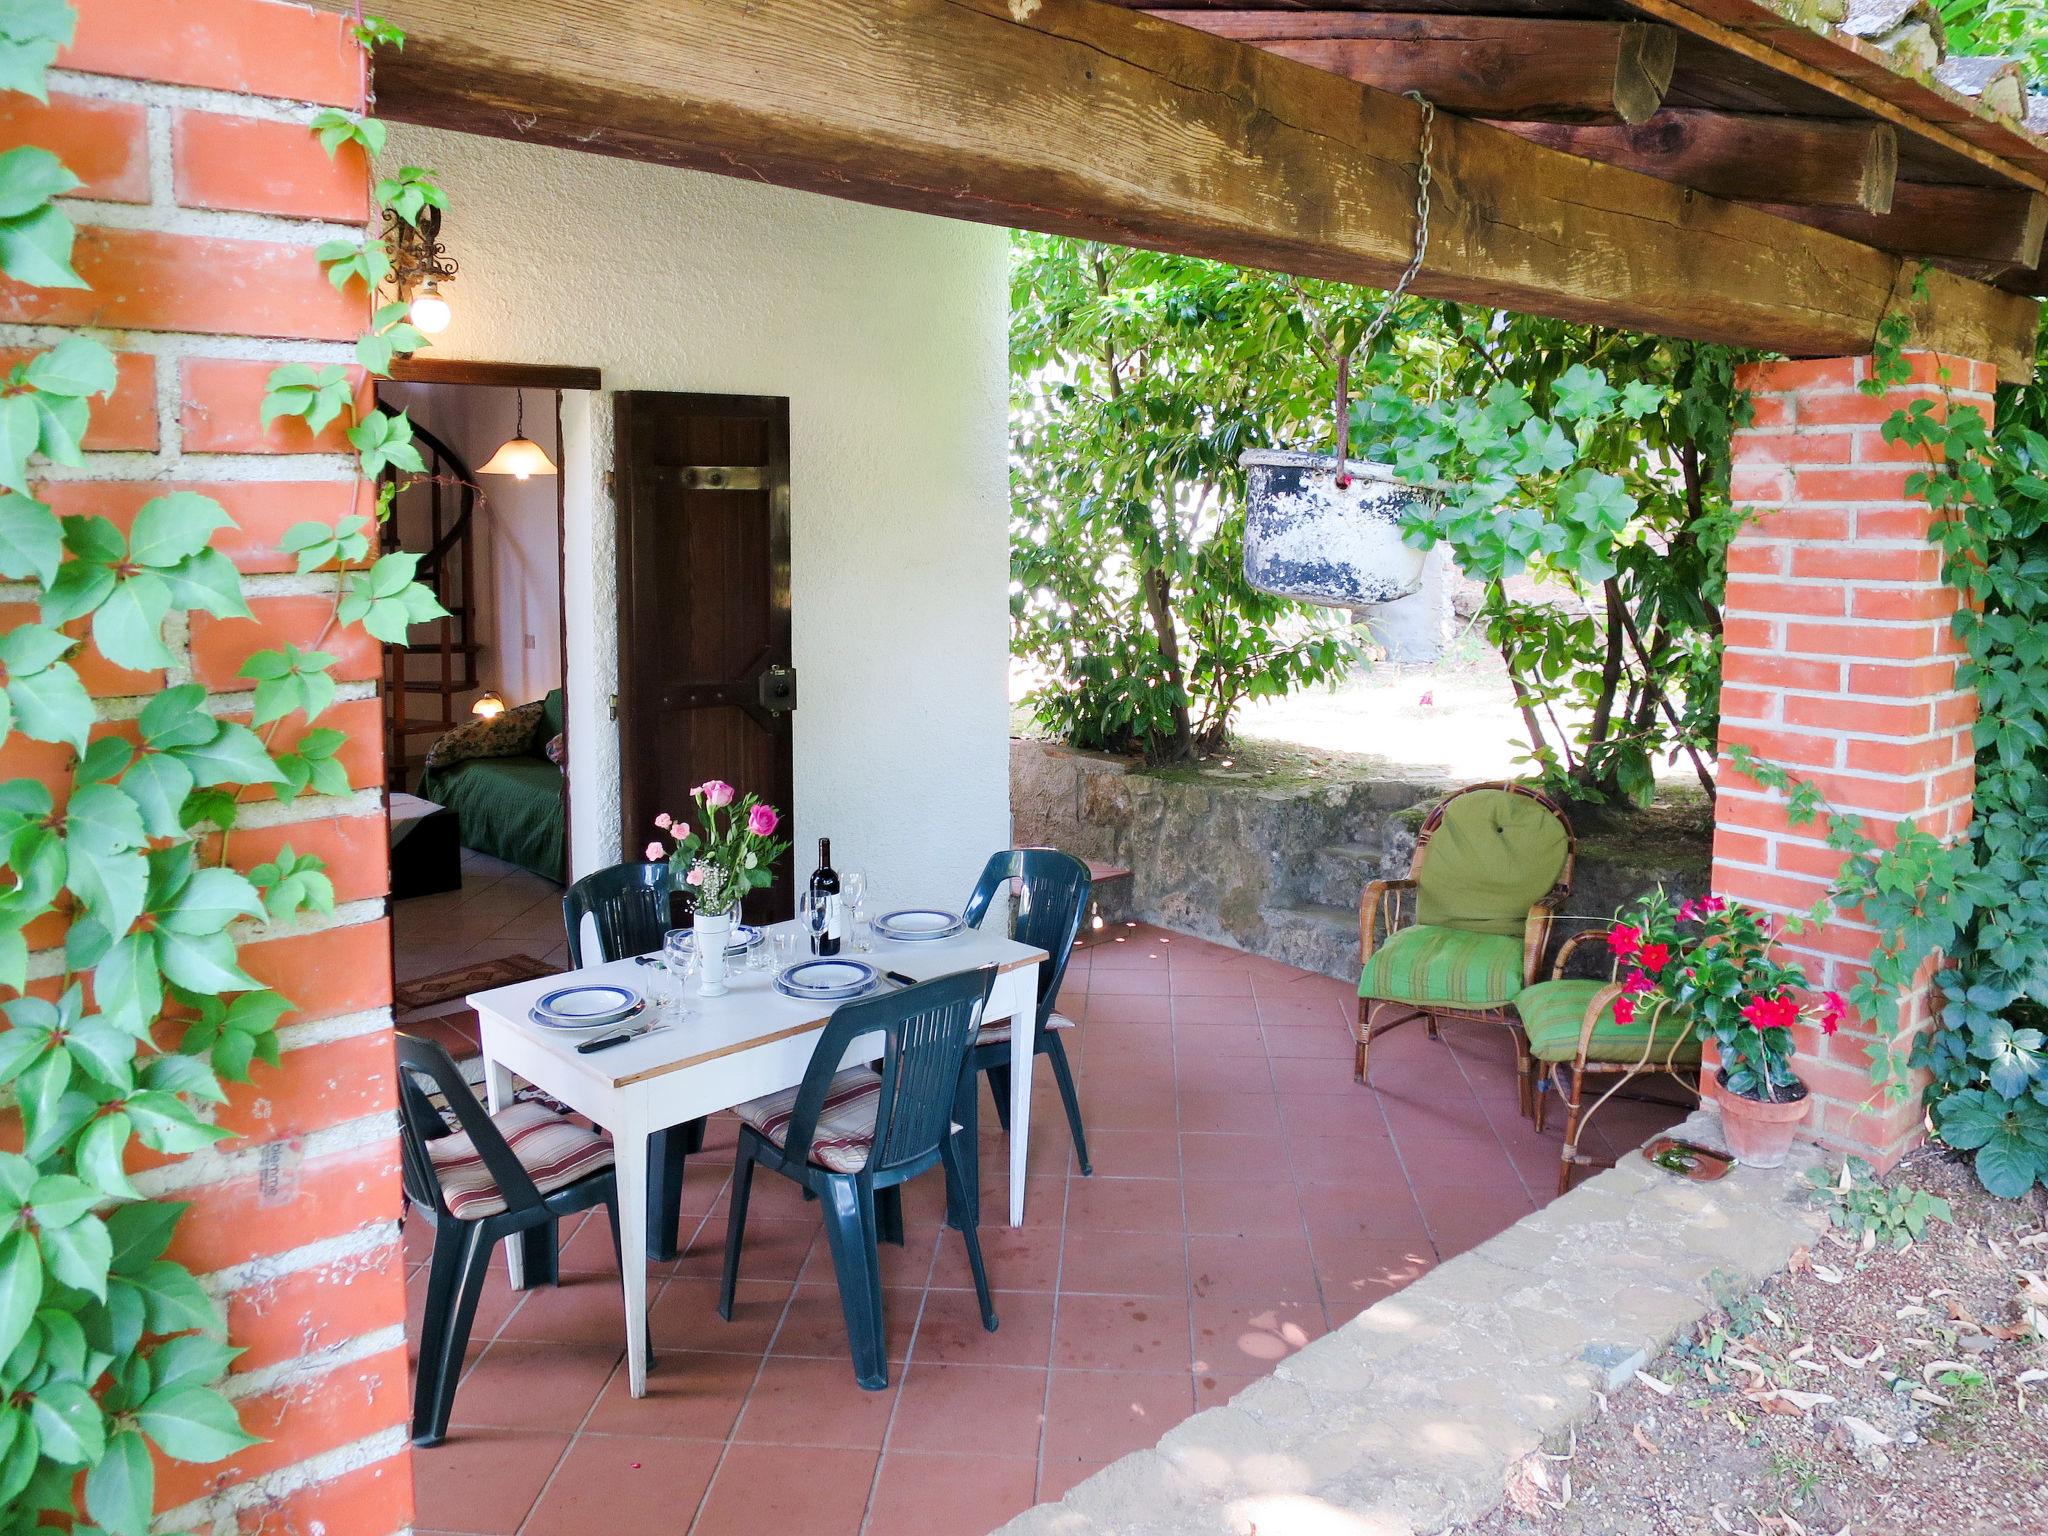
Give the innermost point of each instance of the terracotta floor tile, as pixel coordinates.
(538, 1385)
(950, 1329)
(1121, 1107)
(1311, 1042)
(925, 1495)
(1056, 1477)
(1125, 1263)
(609, 1485)
(1338, 1117)
(1124, 1205)
(1134, 1154)
(772, 1250)
(1121, 1333)
(1126, 1008)
(493, 1305)
(1222, 1155)
(1357, 1162)
(1238, 1011)
(685, 1315)
(484, 1481)
(1236, 1113)
(1111, 981)
(1242, 1206)
(985, 1410)
(1215, 1388)
(815, 1324)
(763, 1488)
(1312, 1074)
(1200, 1071)
(1378, 1209)
(1237, 1039)
(1106, 1414)
(689, 1397)
(1237, 1335)
(814, 1402)
(1272, 1267)
(583, 1309)
(1016, 1258)
(1212, 981)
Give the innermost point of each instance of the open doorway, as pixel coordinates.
(476, 754)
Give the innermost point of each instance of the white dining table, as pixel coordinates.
(753, 1041)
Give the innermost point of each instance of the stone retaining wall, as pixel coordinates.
(1276, 867)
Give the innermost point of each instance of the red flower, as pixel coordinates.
(1637, 982)
(1833, 1007)
(1771, 1012)
(1624, 1010)
(1624, 940)
(1651, 957)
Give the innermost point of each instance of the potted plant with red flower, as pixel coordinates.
(1713, 961)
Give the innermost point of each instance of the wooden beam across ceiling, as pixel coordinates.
(1525, 67)
(1993, 230)
(1824, 162)
(1081, 118)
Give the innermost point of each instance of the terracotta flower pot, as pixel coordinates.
(1759, 1131)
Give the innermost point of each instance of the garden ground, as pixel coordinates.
(1868, 1392)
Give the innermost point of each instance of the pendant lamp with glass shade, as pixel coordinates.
(519, 455)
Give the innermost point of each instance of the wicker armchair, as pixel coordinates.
(1570, 1023)
(1467, 930)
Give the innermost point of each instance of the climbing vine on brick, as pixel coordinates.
(127, 1030)
(1980, 901)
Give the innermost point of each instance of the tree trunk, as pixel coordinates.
(1158, 589)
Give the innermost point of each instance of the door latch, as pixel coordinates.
(778, 690)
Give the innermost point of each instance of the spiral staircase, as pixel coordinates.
(436, 513)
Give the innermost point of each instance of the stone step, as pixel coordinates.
(1317, 936)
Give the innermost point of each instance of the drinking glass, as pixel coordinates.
(679, 956)
(853, 888)
(757, 956)
(814, 914)
(783, 937)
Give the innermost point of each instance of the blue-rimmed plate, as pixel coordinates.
(744, 937)
(918, 923)
(585, 1006)
(823, 981)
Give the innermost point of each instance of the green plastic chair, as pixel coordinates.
(1570, 1024)
(1492, 864)
(628, 905)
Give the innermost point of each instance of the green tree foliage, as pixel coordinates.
(2018, 28)
(1597, 459)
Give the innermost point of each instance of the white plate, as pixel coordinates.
(743, 939)
(826, 980)
(584, 1027)
(584, 1006)
(915, 923)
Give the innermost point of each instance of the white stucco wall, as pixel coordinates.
(886, 332)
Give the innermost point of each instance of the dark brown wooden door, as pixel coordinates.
(705, 686)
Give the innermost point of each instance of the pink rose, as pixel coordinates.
(664, 821)
(762, 821)
(695, 876)
(654, 852)
(716, 793)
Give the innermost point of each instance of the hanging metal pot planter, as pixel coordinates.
(1318, 536)
(1326, 528)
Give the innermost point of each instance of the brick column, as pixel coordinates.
(204, 198)
(1841, 667)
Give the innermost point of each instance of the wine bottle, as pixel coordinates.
(825, 894)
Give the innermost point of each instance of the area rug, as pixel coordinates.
(484, 974)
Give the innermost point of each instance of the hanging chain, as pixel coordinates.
(1386, 309)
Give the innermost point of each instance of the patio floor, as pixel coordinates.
(1247, 1197)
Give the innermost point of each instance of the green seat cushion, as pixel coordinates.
(1553, 1013)
(1444, 966)
(1492, 857)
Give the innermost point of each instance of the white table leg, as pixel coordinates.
(1023, 1031)
(497, 1095)
(629, 1160)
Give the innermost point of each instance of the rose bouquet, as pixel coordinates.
(1711, 960)
(728, 853)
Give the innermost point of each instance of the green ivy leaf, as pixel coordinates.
(29, 178)
(78, 1255)
(211, 900)
(101, 1156)
(21, 1287)
(36, 248)
(158, 784)
(193, 1424)
(77, 366)
(128, 626)
(21, 429)
(70, 1424)
(209, 582)
(235, 755)
(201, 962)
(174, 527)
(51, 705)
(175, 1301)
(141, 1233)
(31, 538)
(120, 1488)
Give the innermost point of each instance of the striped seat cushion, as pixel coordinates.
(1553, 1014)
(554, 1151)
(846, 1124)
(1444, 966)
(999, 1031)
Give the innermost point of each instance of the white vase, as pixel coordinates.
(713, 932)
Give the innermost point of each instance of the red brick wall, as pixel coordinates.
(205, 196)
(1841, 667)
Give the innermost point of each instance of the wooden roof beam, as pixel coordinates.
(1821, 162)
(1988, 232)
(1080, 118)
(1530, 68)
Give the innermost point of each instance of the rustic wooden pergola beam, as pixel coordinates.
(1526, 67)
(1824, 162)
(1080, 118)
(1993, 230)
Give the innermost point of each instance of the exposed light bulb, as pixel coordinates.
(429, 312)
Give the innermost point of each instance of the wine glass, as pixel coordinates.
(679, 955)
(814, 912)
(853, 887)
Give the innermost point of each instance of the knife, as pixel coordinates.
(606, 1042)
(900, 979)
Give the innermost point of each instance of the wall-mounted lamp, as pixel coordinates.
(419, 265)
(487, 707)
(519, 455)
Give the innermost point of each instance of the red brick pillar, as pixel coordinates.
(1841, 668)
(204, 198)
